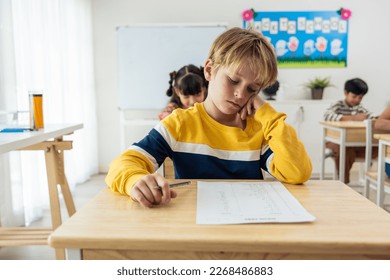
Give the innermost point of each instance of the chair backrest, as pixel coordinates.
(169, 170)
(371, 174)
(371, 141)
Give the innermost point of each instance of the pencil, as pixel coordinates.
(179, 184)
(176, 184)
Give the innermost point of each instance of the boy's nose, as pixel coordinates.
(239, 93)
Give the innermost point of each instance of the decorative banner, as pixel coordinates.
(304, 39)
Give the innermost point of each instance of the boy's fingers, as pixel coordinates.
(139, 196)
(249, 108)
(173, 194)
(243, 113)
(144, 193)
(152, 190)
(163, 187)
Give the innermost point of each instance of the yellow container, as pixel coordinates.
(36, 111)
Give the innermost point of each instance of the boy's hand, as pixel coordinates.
(360, 117)
(147, 190)
(250, 108)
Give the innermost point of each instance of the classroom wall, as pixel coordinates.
(368, 55)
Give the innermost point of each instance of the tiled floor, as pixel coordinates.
(82, 194)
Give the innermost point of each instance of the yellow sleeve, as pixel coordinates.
(127, 169)
(290, 162)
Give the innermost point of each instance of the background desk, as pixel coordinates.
(344, 133)
(37, 140)
(111, 226)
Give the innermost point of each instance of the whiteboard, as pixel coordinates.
(147, 54)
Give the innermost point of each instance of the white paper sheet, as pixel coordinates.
(248, 202)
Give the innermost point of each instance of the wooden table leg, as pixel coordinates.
(54, 157)
(56, 176)
(55, 209)
(62, 181)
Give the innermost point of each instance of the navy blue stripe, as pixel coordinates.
(155, 145)
(194, 166)
(264, 157)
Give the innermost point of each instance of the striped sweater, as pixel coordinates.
(341, 108)
(202, 148)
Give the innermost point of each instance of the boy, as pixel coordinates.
(231, 135)
(349, 109)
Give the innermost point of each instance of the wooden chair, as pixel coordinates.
(359, 160)
(169, 170)
(347, 134)
(371, 174)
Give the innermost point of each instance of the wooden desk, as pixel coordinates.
(111, 226)
(346, 134)
(383, 155)
(54, 156)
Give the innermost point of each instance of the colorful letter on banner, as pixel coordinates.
(305, 39)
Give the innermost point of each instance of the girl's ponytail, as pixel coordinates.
(172, 76)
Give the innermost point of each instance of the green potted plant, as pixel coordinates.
(317, 86)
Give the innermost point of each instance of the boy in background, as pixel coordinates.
(349, 109)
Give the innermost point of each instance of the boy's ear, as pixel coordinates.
(208, 66)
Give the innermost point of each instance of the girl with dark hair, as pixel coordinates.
(186, 87)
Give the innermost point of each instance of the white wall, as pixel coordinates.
(368, 55)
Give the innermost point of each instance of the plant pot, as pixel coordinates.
(316, 93)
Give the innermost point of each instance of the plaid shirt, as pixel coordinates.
(341, 108)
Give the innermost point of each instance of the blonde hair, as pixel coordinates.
(238, 47)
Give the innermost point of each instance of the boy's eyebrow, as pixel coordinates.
(240, 76)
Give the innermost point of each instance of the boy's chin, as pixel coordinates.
(230, 111)
(352, 104)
